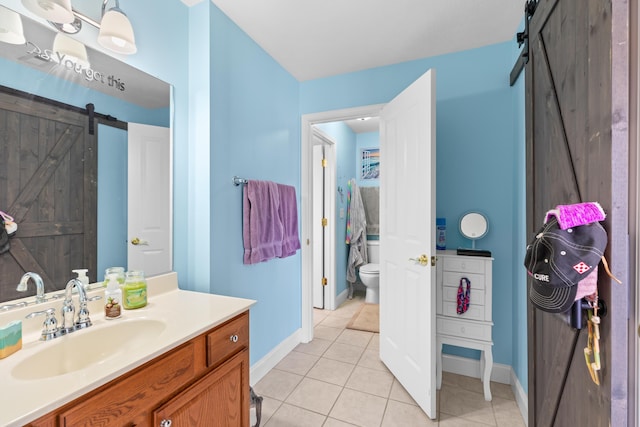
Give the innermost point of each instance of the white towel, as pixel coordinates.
(358, 235)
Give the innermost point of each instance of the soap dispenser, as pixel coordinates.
(82, 277)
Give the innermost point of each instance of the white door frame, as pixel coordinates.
(329, 187)
(306, 191)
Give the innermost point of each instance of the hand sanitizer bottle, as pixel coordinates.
(441, 236)
(112, 298)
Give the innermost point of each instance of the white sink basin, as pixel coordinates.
(87, 347)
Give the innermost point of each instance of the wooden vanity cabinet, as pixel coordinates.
(204, 381)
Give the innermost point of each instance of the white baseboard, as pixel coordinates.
(522, 399)
(471, 368)
(341, 297)
(500, 373)
(271, 359)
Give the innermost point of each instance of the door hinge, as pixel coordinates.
(324, 281)
(324, 163)
(433, 261)
(324, 222)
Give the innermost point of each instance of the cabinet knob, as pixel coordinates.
(233, 338)
(165, 423)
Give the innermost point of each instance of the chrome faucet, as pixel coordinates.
(68, 310)
(22, 287)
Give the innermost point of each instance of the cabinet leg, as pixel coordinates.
(487, 360)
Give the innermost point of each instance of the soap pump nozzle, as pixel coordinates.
(82, 276)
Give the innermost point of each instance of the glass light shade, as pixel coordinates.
(116, 32)
(71, 49)
(52, 10)
(11, 27)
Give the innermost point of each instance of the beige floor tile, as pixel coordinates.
(335, 321)
(348, 309)
(370, 381)
(466, 404)
(297, 362)
(319, 315)
(332, 422)
(344, 353)
(462, 381)
(400, 394)
(314, 395)
(316, 347)
(326, 333)
(400, 414)
(353, 337)
(292, 416)
(507, 413)
(503, 391)
(374, 344)
(269, 407)
(277, 384)
(371, 359)
(359, 408)
(446, 420)
(331, 371)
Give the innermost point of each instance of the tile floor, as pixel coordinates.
(338, 380)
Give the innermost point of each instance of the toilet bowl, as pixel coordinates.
(370, 273)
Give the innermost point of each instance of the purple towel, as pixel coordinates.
(289, 218)
(262, 230)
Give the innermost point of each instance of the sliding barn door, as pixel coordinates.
(572, 156)
(48, 184)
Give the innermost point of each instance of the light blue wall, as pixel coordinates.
(255, 134)
(366, 140)
(112, 199)
(345, 140)
(475, 128)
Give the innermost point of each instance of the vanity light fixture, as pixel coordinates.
(71, 49)
(116, 31)
(11, 27)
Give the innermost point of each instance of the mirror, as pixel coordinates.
(473, 226)
(119, 92)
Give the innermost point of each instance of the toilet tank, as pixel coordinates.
(373, 251)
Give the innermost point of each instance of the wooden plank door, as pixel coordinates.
(573, 157)
(48, 184)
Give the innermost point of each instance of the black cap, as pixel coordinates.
(557, 260)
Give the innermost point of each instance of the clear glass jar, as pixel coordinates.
(134, 291)
(118, 271)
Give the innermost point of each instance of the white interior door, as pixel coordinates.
(407, 230)
(149, 200)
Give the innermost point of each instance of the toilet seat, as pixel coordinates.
(370, 268)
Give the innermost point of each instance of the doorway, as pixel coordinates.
(307, 142)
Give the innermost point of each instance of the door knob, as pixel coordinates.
(422, 259)
(136, 241)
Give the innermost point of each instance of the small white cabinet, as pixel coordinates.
(471, 329)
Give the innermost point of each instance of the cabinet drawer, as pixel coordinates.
(228, 339)
(450, 278)
(136, 393)
(460, 328)
(464, 264)
(474, 312)
(450, 294)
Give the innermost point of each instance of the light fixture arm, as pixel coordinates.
(91, 21)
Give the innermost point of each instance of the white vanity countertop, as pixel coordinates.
(186, 314)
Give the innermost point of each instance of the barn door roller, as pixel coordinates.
(523, 39)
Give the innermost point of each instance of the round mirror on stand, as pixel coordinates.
(473, 226)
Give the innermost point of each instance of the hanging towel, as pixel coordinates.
(371, 203)
(289, 219)
(262, 230)
(358, 233)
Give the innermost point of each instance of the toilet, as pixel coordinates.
(370, 273)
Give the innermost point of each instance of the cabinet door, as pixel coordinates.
(220, 398)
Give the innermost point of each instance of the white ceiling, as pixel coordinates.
(319, 38)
